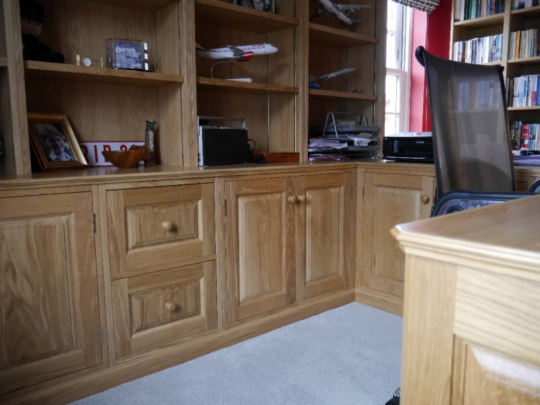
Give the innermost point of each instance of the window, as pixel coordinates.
(397, 68)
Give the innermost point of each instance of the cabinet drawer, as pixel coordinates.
(154, 309)
(156, 228)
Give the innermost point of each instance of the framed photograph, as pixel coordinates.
(126, 54)
(263, 5)
(54, 142)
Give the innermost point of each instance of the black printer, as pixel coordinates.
(409, 147)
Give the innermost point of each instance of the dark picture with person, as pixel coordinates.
(54, 142)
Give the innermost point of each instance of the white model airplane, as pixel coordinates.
(342, 12)
(313, 80)
(241, 53)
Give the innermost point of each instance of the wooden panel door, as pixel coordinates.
(390, 200)
(157, 228)
(49, 315)
(162, 307)
(324, 232)
(259, 258)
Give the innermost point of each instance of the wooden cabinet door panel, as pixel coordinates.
(323, 231)
(390, 200)
(156, 228)
(48, 294)
(258, 236)
(159, 308)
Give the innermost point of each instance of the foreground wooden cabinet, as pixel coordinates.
(287, 239)
(390, 199)
(50, 324)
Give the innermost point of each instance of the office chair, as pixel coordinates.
(473, 153)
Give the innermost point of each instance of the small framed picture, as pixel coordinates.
(126, 54)
(263, 5)
(54, 142)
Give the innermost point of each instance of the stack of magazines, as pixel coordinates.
(321, 149)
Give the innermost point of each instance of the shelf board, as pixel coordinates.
(3, 62)
(481, 22)
(525, 61)
(207, 83)
(535, 108)
(341, 94)
(143, 5)
(336, 38)
(527, 12)
(242, 18)
(97, 74)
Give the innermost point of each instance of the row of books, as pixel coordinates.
(524, 135)
(468, 95)
(523, 44)
(469, 9)
(522, 91)
(519, 4)
(479, 50)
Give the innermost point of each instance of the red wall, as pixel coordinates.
(433, 32)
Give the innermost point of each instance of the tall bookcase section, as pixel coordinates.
(268, 103)
(522, 20)
(106, 104)
(15, 157)
(332, 47)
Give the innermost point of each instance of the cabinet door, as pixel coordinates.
(49, 318)
(162, 307)
(323, 233)
(157, 228)
(258, 236)
(390, 200)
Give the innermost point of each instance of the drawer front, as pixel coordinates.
(159, 308)
(157, 228)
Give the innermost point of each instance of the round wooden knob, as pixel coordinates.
(292, 199)
(170, 306)
(302, 198)
(424, 199)
(168, 226)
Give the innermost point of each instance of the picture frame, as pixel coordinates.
(127, 54)
(262, 5)
(54, 143)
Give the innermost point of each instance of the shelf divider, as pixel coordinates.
(98, 74)
(242, 18)
(207, 83)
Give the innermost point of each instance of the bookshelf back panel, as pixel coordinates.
(97, 112)
(323, 60)
(319, 108)
(82, 27)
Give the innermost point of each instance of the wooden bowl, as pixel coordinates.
(124, 159)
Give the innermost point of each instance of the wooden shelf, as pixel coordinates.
(143, 5)
(3, 62)
(207, 83)
(341, 95)
(525, 61)
(242, 18)
(527, 12)
(97, 74)
(336, 38)
(535, 108)
(482, 22)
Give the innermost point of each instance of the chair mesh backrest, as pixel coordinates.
(469, 124)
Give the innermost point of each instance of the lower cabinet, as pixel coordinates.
(390, 199)
(49, 308)
(158, 308)
(285, 239)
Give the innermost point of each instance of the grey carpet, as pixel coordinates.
(348, 355)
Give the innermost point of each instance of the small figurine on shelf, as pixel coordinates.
(150, 141)
(31, 26)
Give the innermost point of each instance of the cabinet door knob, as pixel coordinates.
(170, 306)
(302, 198)
(424, 199)
(292, 199)
(168, 226)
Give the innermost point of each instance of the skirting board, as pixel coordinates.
(382, 301)
(172, 355)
